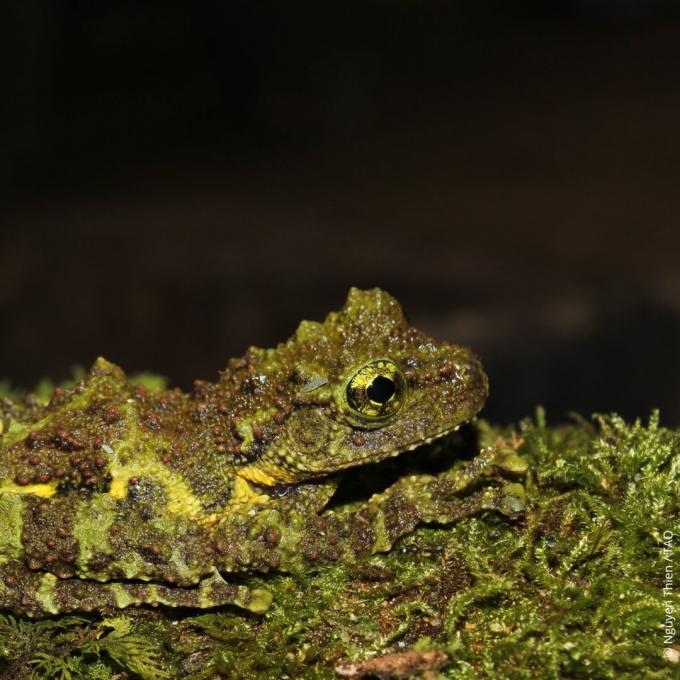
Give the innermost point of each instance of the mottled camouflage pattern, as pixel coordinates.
(112, 495)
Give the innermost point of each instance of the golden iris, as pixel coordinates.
(377, 390)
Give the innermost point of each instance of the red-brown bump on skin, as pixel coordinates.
(273, 561)
(311, 553)
(258, 432)
(100, 461)
(170, 579)
(272, 535)
(155, 549)
(165, 458)
(279, 417)
(446, 370)
(34, 460)
(58, 472)
(44, 477)
(358, 440)
(97, 443)
(133, 481)
(62, 532)
(333, 554)
(23, 480)
(68, 557)
(112, 414)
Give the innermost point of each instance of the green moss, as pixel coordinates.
(571, 590)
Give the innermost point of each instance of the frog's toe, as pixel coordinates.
(512, 463)
(512, 501)
(260, 600)
(215, 591)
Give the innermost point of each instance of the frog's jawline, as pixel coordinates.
(415, 445)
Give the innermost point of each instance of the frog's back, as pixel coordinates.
(94, 485)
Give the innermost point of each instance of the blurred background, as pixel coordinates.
(180, 181)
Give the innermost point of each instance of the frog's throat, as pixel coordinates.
(265, 474)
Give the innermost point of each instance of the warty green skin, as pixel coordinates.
(112, 495)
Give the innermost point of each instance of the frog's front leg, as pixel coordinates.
(444, 499)
(435, 499)
(290, 537)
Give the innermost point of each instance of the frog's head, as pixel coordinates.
(362, 386)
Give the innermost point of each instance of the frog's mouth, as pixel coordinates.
(374, 456)
(266, 474)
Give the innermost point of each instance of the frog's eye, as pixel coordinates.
(376, 391)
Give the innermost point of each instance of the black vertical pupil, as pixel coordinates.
(381, 389)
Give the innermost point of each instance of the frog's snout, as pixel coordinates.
(475, 378)
(470, 382)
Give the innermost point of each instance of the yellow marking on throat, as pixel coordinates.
(258, 476)
(244, 494)
(42, 490)
(119, 487)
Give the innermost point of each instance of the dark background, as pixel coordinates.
(180, 181)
